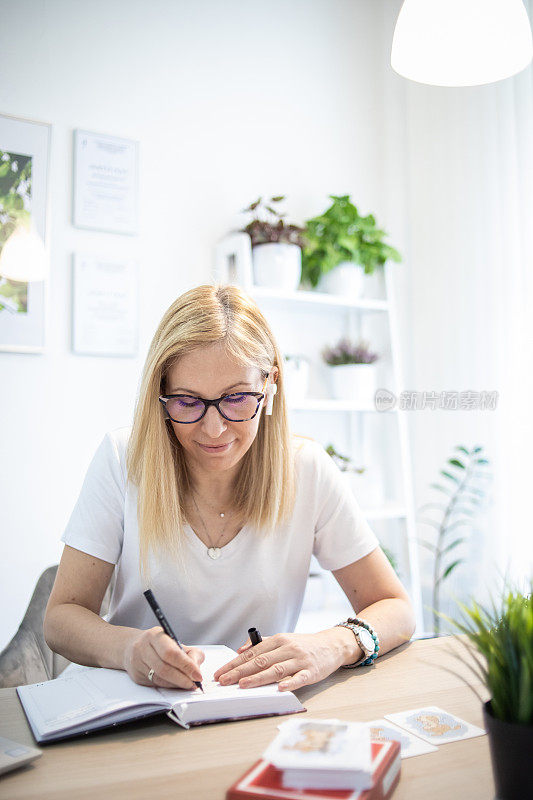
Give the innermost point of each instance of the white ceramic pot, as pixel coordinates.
(277, 265)
(354, 382)
(296, 372)
(346, 279)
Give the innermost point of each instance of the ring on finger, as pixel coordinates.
(151, 675)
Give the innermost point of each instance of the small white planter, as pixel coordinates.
(354, 382)
(277, 266)
(296, 372)
(346, 279)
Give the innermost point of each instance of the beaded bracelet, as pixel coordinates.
(350, 622)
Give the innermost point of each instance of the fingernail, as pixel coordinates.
(224, 679)
(283, 686)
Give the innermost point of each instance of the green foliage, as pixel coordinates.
(341, 234)
(504, 639)
(267, 224)
(464, 491)
(391, 558)
(344, 463)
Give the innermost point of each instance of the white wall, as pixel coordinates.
(228, 100)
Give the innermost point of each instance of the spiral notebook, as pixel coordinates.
(86, 699)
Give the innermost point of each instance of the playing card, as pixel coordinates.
(434, 725)
(381, 730)
(320, 744)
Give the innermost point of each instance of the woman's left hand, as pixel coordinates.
(290, 659)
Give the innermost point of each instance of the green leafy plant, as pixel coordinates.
(267, 224)
(504, 639)
(341, 234)
(465, 489)
(344, 352)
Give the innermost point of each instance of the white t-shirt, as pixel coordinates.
(259, 579)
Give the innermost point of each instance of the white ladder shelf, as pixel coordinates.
(403, 511)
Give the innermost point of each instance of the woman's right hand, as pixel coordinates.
(173, 668)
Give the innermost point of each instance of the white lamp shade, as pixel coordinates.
(23, 257)
(461, 42)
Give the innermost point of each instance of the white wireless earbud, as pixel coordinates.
(270, 391)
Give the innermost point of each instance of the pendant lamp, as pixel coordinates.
(461, 42)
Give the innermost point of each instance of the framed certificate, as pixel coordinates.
(105, 302)
(105, 192)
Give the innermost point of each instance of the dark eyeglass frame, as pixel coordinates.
(164, 398)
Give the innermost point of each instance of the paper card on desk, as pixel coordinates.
(319, 744)
(381, 730)
(434, 725)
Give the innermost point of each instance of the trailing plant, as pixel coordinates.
(344, 463)
(267, 224)
(345, 352)
(464, 488)
(342, 234)
(504, 639)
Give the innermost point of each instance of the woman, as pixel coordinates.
(210, 502)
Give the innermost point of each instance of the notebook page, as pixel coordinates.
(82, 696)
(215, 656)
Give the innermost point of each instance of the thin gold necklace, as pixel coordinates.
(213, 551)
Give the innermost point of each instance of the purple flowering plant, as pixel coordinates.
(345, 352)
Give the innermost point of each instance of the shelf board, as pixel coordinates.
(319, 299)
(333, 405)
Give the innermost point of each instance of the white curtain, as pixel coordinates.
(458, 182)
(510, 238)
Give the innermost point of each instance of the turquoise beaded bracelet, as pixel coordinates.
(356, 621)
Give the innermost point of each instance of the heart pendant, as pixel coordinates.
(213, 552)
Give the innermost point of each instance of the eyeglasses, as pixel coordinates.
(237, 407)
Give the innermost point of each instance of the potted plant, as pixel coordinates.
(341, 247)
(501, 651)
(353, 374)
(463, 484)
(276, 246)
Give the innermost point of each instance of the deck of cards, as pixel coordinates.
(322, 754)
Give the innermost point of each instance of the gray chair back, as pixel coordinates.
(27, 658)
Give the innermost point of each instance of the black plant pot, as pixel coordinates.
(511, 751)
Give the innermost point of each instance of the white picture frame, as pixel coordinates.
(105, 194)
(233, 260)
(105, 306)
(25, 151)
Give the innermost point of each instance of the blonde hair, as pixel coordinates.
(265, 485)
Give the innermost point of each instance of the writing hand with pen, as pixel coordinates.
(157, 658)
(290, 659)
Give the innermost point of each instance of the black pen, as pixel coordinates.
(255, 636)
(154, 605)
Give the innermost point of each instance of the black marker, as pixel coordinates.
(255, 636)
(154, 605)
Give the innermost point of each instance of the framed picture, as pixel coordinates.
(233, 260)
(105, 306)
(24, 165)
(105, 195)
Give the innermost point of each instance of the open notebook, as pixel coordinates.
(85, 699)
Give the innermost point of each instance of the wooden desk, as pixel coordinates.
(155, 758)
